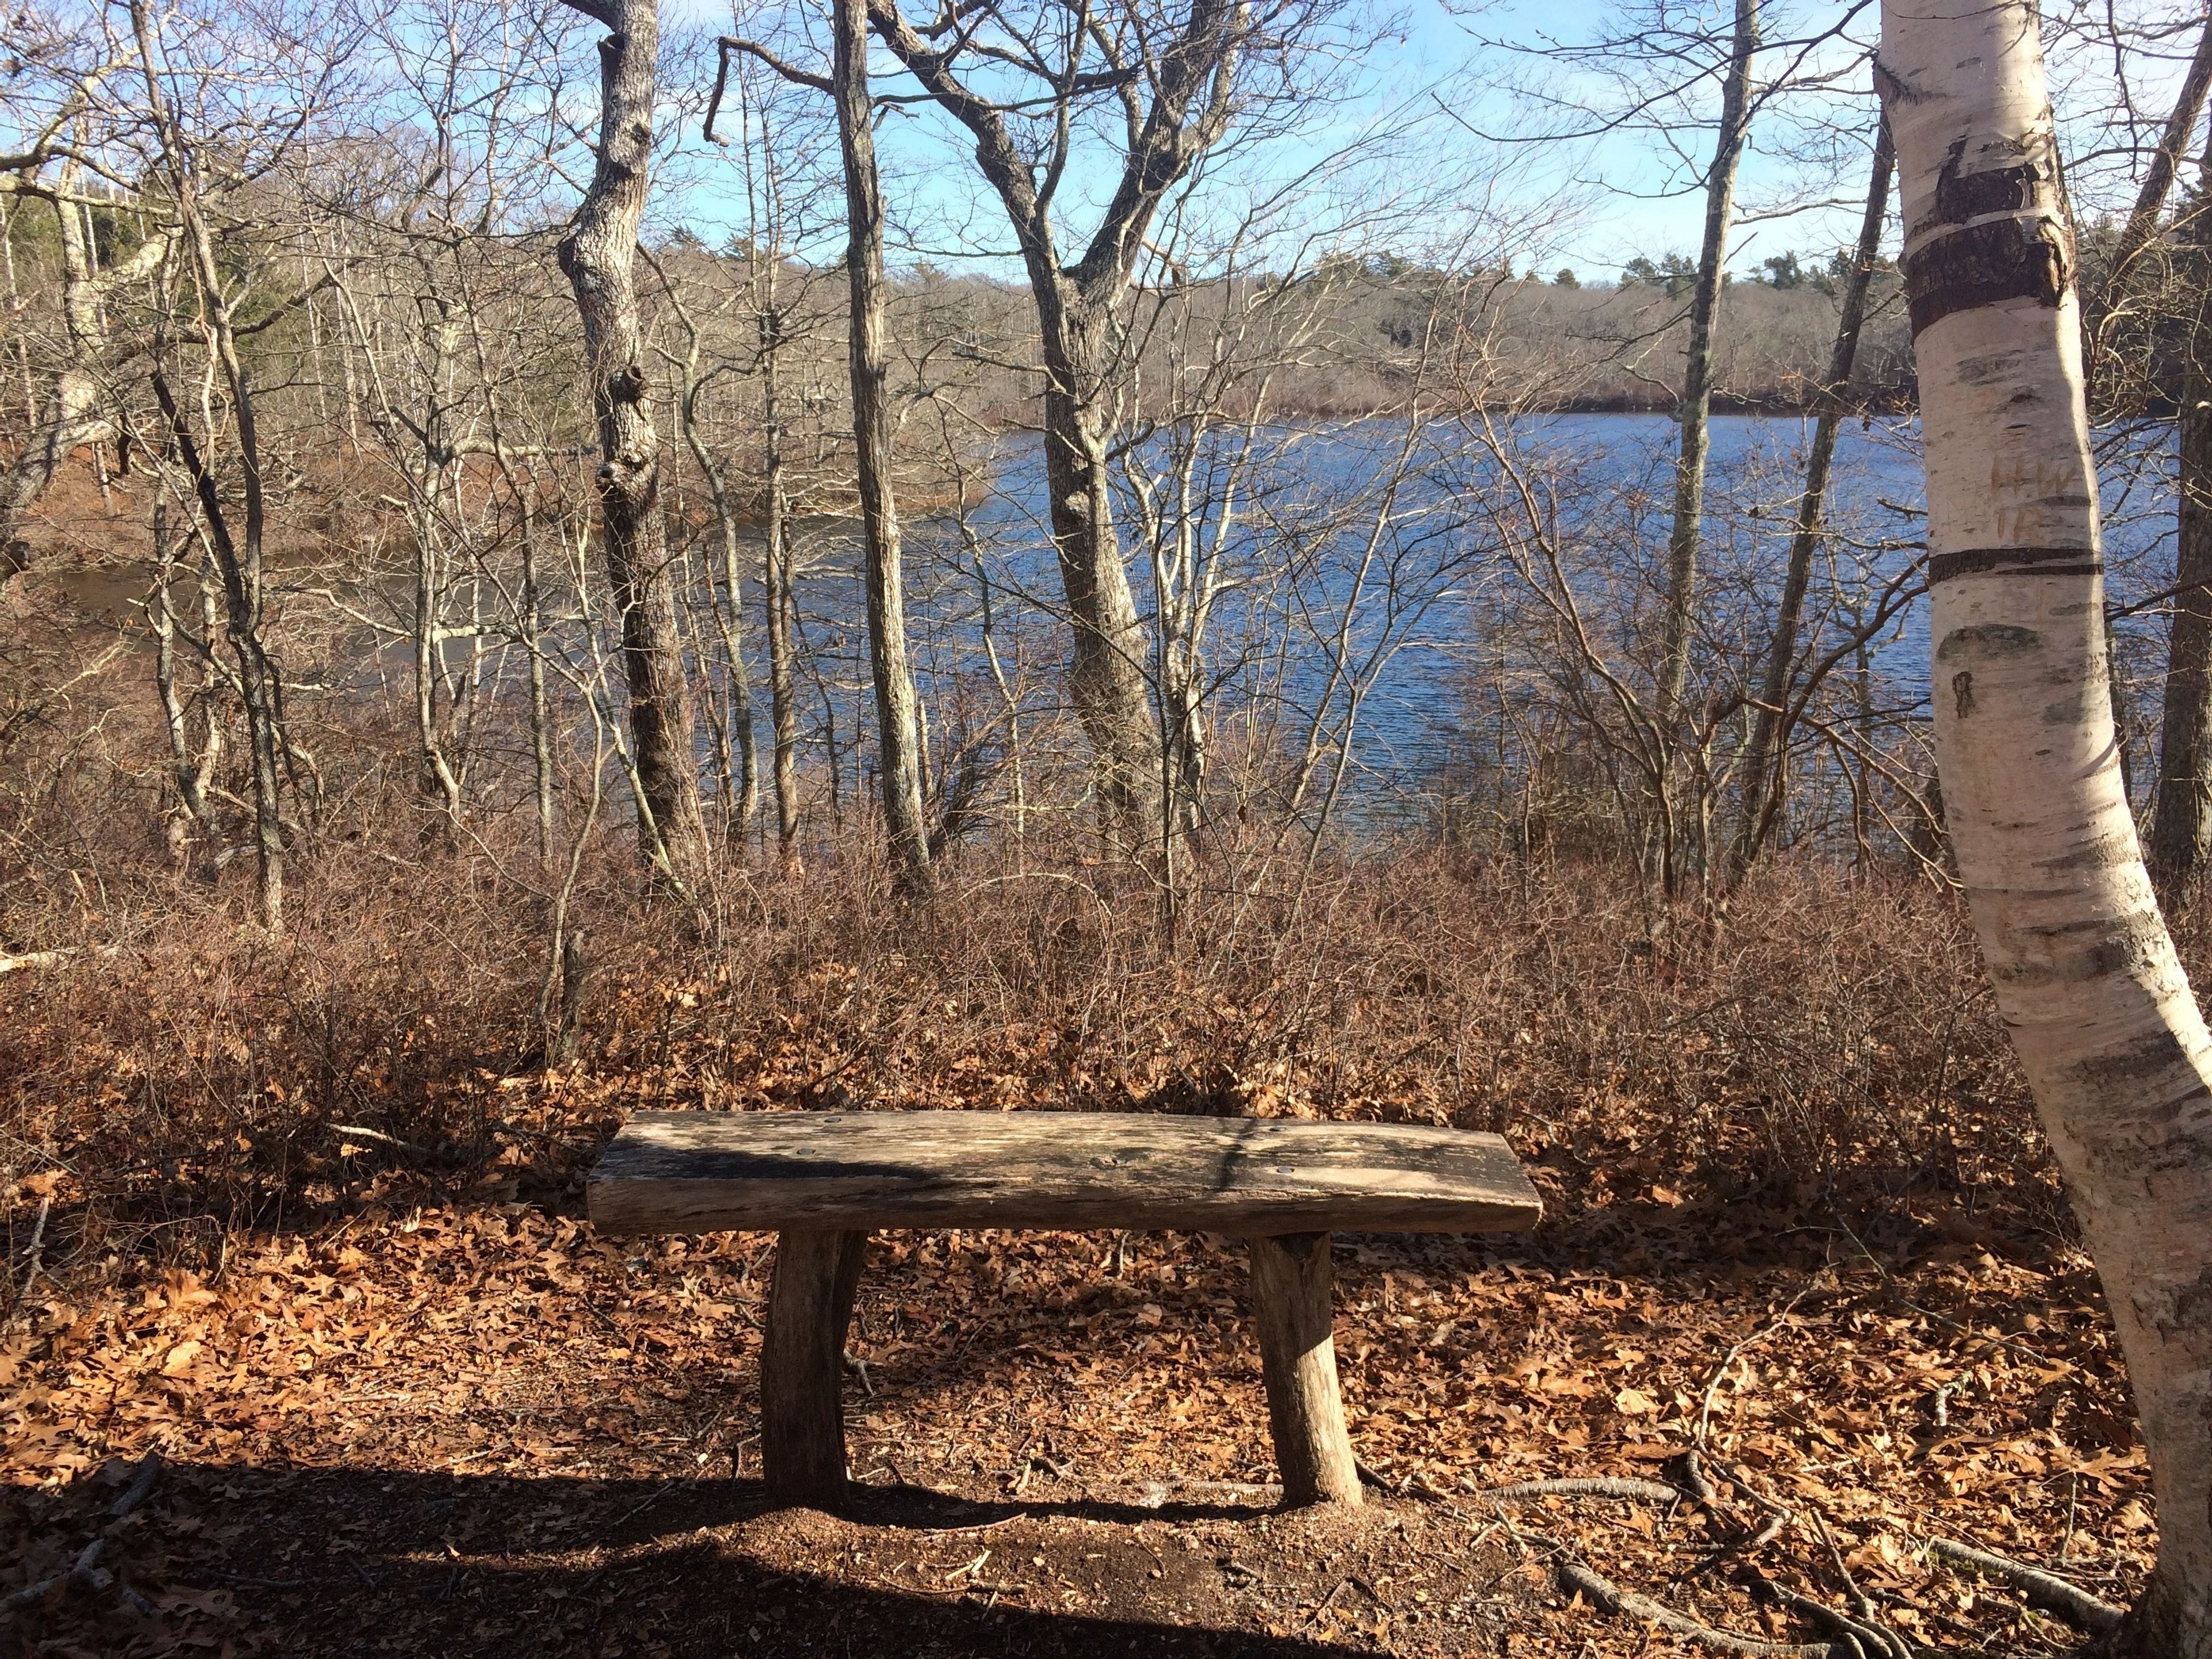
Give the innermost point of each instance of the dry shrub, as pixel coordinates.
(1830, 1039)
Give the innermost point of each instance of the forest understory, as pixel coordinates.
(304, 1219)
(513, 613)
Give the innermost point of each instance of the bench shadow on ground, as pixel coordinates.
(383, 1561)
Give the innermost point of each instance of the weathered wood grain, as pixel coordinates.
(1290, 1281)
(679, 1172)
(803, 1366)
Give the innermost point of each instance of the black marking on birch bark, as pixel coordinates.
(1890, 89)
(2174, 1112)
(1988, 640)
(2104, 853)
(1963, 255)
(2144, 1058)
(1989, 368)
(2014, 560)
(2073, 709)
(1961, 197)
(1962, 692)
(1986, 265)
(2116, 944)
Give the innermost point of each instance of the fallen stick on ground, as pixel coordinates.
(86, 1576)
(141, 1488)
(30, 1593)
(1639, 1491)
(357, 1133)
(1159, 1494)
(1611, 1598)
(1402, 1486)
(33, 1256)
(1861, 1603)
(1694, 1477)
(1778, 1515)
(1720, 1372)
(1873, 1639)
(33, 959)
(1769, 1529)
(30, 960)
(2076, 1606)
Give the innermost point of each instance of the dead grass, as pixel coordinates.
(1830, 1040)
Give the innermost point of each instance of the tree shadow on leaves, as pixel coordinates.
(390, 1562)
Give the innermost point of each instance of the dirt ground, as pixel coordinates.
(478, 1427)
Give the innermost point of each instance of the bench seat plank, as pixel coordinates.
(684, 1172)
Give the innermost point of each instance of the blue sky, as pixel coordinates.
(1469, 78)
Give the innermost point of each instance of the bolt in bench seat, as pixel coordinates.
(824, 1181)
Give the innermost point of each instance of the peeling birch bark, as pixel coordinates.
(2085, 972)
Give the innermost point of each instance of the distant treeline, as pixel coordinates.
(1559, 344)
(1548, 343)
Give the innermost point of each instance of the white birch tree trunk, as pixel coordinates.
(2085, 972)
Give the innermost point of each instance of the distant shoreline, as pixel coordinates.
(1776, 404)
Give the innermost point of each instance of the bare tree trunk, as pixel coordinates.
(776, 578)
(437, 773)
(1698, 369)
(240, 564)
(190, 775)
(15, 306)
(2086, 976)
(598, 256)
(1007, 695)
(74, 416)
(1761, 799)
(1189, 83)
(541, 722)
(873, 433)
(1107, 677)
(729, 609)
(2181, 822)
(237, 557)
(765, 257)
(731, 621)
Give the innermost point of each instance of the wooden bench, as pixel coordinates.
(823, 1181)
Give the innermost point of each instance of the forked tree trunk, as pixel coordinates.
(897, 729)
(1763, 774)
(238, 560)
(598, 256)
(2086, 975)
(2181, 823)
(1190, 81)
(1697, 367)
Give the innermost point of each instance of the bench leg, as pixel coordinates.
(1290, 1303)
(803, 1366)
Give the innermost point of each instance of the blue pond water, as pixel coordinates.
(1319, 606)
